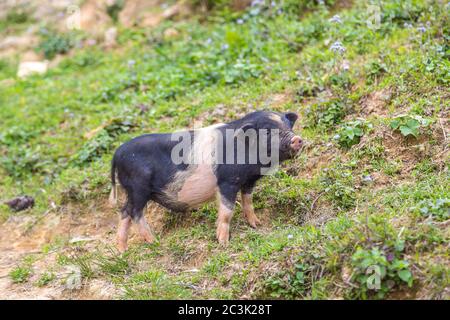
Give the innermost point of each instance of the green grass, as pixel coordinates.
(364, 194)
(22, 272)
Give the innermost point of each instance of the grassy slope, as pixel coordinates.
(341, 207)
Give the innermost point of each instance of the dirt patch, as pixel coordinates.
(151, 13)
(23, 236)
(317, 158)
(275, 102)
(408, 150)
(376, 103)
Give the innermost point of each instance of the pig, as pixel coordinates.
(156, 167)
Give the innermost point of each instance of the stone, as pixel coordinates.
(28, 68)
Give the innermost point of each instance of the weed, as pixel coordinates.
(154, 284)
(53, 43)
(113, 264)
(20, 274)
(325, 114)
(379, 270)
(289, 284)
(374, 70)
(339, 185)
(438, 209)
(409, 125)
(102, 141)
(45, 279)
(350, 134)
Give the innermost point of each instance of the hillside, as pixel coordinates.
(366, 203)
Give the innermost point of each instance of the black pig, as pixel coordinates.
(180, 171)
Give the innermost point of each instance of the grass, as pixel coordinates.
(22, 272)
(365, 196)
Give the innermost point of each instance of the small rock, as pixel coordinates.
(110, 37)
(367, 179)
(81, 239)
(28, 68)
(21, 203)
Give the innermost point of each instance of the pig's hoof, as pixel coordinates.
(253, 221)
(223, 236)
(149, 238)
(223, 241)
(146, 233)
(122, 247)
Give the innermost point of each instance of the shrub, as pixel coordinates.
(114, 8)
(53, 43)
(325, 114)
(289, 284)
(378, 270)
(16, 17)
(101, 142)
(374, 70)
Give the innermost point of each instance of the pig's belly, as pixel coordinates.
(189, 189)
(199, 187)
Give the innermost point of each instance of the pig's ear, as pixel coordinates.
(292, 117)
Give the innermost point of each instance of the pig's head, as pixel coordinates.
(289, 143)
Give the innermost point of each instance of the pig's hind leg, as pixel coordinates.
(140, 198)
(124, 226)
(134, 211)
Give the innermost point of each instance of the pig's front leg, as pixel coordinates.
(247, 209)
(227, 200)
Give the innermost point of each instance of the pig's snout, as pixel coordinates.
(296, 143)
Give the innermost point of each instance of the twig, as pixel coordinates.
(315, 200)
(443, 130)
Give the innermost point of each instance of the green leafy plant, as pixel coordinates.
(289, 284)
(53, 43)
(409, 125)
(350, 133)
(374, 70)
(438, 209)
(339, 185)
(101, 142)
(45, 279)
(114, 8)
(17, 17)
(379, 270)
(22, 272)
(326, 114)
